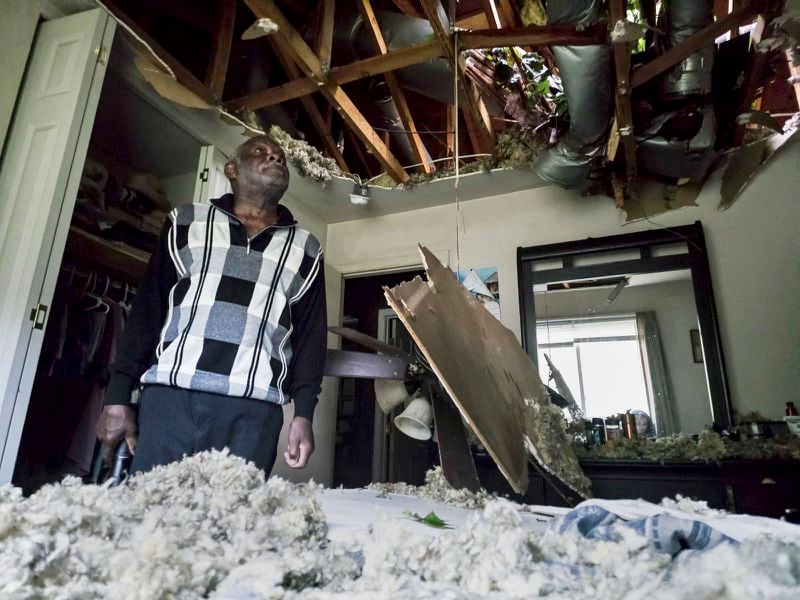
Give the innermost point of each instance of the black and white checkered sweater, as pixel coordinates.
(220, 312)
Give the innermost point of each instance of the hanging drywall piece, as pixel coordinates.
(653, 198)
(745, 163)
(167, 86)
(492, 381)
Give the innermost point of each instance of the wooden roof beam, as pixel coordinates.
(407, 8)
(705, 36)
(183, 75)
(221, 48)
(417, 146)
(310, 64)
(361, 69)
(319, 122)
(436, 16)
(324, 43)
(533, 35)
(622, 64)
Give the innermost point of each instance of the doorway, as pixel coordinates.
(405, 459)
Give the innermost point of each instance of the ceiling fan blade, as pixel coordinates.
(370, 342)
(457, 462)
(364, 365)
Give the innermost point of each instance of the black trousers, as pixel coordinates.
(174, 422)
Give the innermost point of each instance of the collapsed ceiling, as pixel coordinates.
(592, 94)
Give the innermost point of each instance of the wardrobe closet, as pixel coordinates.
(140, 162)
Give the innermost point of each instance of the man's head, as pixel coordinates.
(258, 168)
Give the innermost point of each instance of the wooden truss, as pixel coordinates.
(310, 71)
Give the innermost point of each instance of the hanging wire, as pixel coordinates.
(455, 150)
(665, 228)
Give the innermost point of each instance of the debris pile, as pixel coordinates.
(709, 447)
(211, 527)
(436, 489)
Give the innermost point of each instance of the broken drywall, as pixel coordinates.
(490, 378)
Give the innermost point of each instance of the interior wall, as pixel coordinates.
(753, 252)
(673, 303)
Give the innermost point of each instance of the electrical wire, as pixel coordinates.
(664, 227)
(455, 151)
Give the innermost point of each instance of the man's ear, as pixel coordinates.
(230, 170)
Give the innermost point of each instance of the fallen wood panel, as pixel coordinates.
(491, 380)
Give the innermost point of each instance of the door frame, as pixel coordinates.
(14, 400)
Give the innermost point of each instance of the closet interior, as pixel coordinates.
(140, 163)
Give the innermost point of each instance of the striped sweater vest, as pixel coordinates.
(228, 325)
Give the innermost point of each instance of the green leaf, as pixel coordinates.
(431, 519)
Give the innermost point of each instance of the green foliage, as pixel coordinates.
(708, 447)
(431, 519)
(542, 88)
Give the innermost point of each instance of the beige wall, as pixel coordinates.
(754, 252)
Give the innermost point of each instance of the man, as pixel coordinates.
(228, 325)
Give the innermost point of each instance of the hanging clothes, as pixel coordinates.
(80, 344)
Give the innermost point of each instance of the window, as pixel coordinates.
(600, 361)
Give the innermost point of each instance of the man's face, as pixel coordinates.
(262, 164)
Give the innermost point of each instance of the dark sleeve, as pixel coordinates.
(309, 341)
(137, 345)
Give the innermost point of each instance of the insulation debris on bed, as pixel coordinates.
(212, 527)
(490, 378)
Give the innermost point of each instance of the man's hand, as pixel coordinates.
(117, 421)
(301, 443)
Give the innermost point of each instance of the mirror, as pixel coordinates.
(627, 324)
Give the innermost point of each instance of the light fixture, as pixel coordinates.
(360, 193)
(615, 292)
(416, 420)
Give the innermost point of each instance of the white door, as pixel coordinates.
(211, 181)
(39, 178)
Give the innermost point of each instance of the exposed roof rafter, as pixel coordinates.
(324, 43)
(691, 45)
(533, 35)
(418, 147)
(310, 64)
(438, 20)
(361, 69)
(319, 122)
(622, 64)
(221, 48)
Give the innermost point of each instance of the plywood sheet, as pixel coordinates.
(488, 375)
